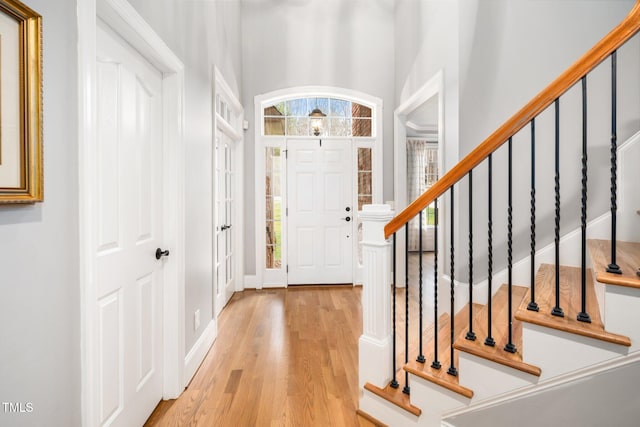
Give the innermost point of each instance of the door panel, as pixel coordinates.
(320, 191)
(224, 256)
(129, 229)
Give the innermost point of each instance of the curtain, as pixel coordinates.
(422, 172)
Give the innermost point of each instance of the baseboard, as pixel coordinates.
(196, 355)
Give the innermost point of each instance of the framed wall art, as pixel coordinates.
(21, 174)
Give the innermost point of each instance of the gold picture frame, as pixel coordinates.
(21, 174)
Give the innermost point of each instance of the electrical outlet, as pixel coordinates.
(196, 320)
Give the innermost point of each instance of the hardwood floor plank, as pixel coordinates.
(281, 358)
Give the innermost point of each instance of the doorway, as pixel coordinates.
(227, 206)
(131, 211)
(320, 212)
(313, 175)
(418, 161)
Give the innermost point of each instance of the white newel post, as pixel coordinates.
(375, 351)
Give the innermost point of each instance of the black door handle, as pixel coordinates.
(347, 218)
(160, 253)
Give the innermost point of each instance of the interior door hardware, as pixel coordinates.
(160, 253)
(347, 209)
(347, 218)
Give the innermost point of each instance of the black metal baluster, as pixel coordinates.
(406, 389)
(471, 336)
(436, 363)
(394, 381)
(420, 357)
(557, 310)
(452, 368)
(489, 340)
(613, 266)
(510, 346)
(533, 305)
(583, 316)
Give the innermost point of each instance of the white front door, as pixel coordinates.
(224, 227)
(128, 221)
(320, 211)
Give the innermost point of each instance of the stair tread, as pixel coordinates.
(499, 331)
(395, 396)
(570, 302)
(627, 258)
(440, 376)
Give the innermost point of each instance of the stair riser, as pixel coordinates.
(557, 352)
(387, 412)
(622, 307)
(487, 378)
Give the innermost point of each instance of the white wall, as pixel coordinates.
(40, 294)
(347, 44)
(510, 50)
(496, 55)
(426, 42)
(202, 34)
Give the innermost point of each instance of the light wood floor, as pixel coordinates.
(281, 358)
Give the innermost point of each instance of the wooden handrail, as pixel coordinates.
(598, 53)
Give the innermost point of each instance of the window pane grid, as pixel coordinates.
(343, 118)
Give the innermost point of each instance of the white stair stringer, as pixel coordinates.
(488, 379)
(558, 352)
(386, 412)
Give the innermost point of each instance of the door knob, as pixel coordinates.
(347, 218)
(347, 209)
(160, 253)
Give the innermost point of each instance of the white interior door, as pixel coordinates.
(128, 223)
(320, 211)
(224, 263)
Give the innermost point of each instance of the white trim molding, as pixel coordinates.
(196, 355)
(126, 22)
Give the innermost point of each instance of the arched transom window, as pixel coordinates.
(341, 118)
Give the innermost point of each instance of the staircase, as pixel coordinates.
(575, 317)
